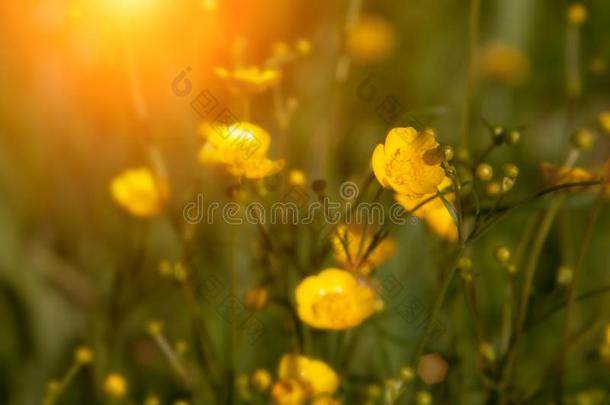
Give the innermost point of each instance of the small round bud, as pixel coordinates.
(423, 398)
(180, 272)
(511, 269)
(154, 328)
(53, 386)
(463, 154)
(507, 184)
(115, 385)
(577, 14)
(511, 170)
(603, 121)
(502, 254)
(487, 351)
(297, 178)
(373, 391)
(464, 264)
(484, 172)
(303, 46)
(256, 298)
(493, 189)
(564, 275)
(432, 368)
(512, 137)
(181, 347)
(165, 268)
(448, 152)
(260, 380)
(152, 400)
(83, 355)
(583, 140)
(498, 133)
(318, 186)
(406, 374)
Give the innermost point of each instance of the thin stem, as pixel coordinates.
(571, 294)
(473, 37)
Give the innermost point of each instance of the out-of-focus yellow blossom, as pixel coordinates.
(83, 355)
(260, 380)
(288, 392)
(504, 64)
(370, 39)
(152, 400)
(241, 148)
(603, 121)
(357, 243)
(408, 162)
(434, 212)
(334, 299)
(140, 192)
(256, 298)
(554, 175)
(325, 400)
(297, 178)
(577, 13)
(249, 80)
(303, 46)
(314, 375)
(115, 385)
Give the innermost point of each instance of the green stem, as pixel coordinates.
(571, 294)
(473, 35)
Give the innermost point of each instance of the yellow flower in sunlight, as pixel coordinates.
(140, 191)
(315, 376)
(241, 148)
(577, 13)
(350, 244)
(603, 121)
(408, 162)
(370, 39)
(115, 385)
(503, 63)
(288, 392)
(433, 212)
(249, 80)
(334, 299)
(554, 175)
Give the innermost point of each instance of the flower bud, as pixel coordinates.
(511, 170)
(484, 172)
(502, 254)
(564, 275)
(583, 140)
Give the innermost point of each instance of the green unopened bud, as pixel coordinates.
(448, 152)
(407, 374)
(502, 254)
(512, 137)
(511, 170)
(507, 184)
(564, 275)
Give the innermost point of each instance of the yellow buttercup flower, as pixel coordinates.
(288, 392)
(503, 63)
(408, 162)
(249, 80)
(434, 212)
(334, 299)
(357, 243)
(314, 375)
(241, 148)
(140, 192)
(554, 175)
(370, 39)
